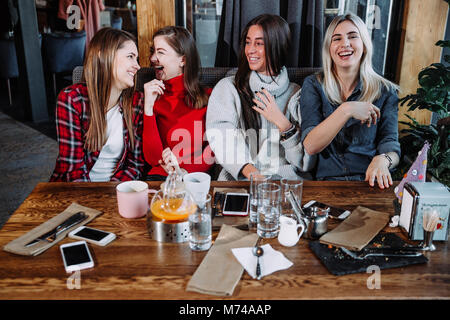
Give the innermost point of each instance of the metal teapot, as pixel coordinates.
(315, 219)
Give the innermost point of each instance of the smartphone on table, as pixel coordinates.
(236, 204)
(76, 256)
(336, 213)
(94, 236)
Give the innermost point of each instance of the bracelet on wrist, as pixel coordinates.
(288, 133)
(388, 158)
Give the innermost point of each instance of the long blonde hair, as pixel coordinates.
(98, 75)
(372, 82)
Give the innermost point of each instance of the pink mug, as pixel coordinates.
(132, 198)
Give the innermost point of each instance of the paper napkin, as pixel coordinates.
(270, 262)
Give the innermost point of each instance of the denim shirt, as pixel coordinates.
(353, 148)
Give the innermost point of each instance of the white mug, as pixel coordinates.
(288, 236)
(197, 183)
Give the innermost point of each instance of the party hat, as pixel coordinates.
(417, 171)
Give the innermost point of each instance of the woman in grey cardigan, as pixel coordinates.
(252, 118)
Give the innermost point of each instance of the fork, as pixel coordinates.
(53, 234)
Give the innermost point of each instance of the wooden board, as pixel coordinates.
(423, 25)
(152, 15)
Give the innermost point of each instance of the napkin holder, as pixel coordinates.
(416, 197)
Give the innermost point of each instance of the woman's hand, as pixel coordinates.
(248, 169)
(169, 161)
(152, 90)
(364, 111)
(268, 108)
(379, 169)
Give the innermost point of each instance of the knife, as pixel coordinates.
(52, 234)
(381, 252)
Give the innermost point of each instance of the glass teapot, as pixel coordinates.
(173, 202)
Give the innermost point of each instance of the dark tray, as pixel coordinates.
(339, 263)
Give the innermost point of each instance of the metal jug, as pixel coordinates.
(315, 219)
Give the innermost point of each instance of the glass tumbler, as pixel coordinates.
(255, 180)
(296, 187)
(200, 226)
(269, 207)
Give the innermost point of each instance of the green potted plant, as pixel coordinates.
(434, 95)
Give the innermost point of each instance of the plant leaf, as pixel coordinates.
(447, 58)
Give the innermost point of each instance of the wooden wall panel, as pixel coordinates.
(424, 24)
(152, 15)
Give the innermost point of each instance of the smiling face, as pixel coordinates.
(255, 49)
(125, 66)
(166, 61)
(346, 48)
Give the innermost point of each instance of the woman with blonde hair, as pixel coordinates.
(99, 121)
(349, 112)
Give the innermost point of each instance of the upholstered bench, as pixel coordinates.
(208, 77)
(211, 75)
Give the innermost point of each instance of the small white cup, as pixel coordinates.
(288, 236)
(197, 183)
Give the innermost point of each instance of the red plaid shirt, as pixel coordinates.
(74, 162)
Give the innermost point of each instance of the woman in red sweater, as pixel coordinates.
(175, 107)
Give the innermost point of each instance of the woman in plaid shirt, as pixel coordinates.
(99, 122)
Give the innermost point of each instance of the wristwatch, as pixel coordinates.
(388, 158)
(288, 133)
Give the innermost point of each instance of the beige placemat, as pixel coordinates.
(355, 232)
(220, 272)
(17, 246)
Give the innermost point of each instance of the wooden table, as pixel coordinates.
(136, 267)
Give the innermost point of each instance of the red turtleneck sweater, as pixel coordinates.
(179, 127)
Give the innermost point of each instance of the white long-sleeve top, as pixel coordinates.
(234, 147)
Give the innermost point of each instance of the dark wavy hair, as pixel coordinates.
(277, 40)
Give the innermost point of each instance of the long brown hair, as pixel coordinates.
(277, 39)
(98, 74)
(183, 44)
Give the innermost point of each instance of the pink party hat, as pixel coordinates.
(417, 172)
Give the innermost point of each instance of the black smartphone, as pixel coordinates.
(333, 212)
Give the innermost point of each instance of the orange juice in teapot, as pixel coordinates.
(172, 202)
